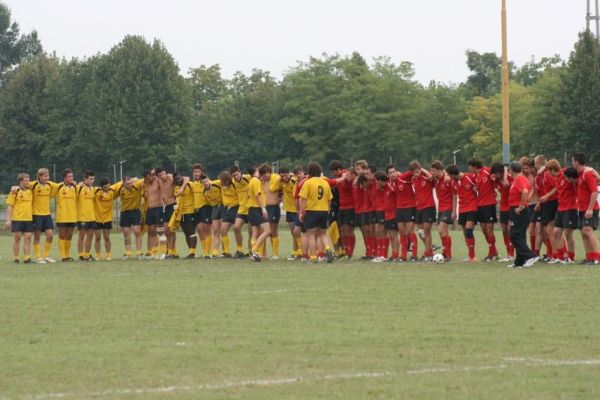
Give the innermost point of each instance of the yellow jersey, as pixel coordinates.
(213, 195)
(255, 189)
(131, 199)
(186, 201)
(229, 196)
(287, 190)
(85, 203)
(66, 204)
(272, 189)
(22, 204)
(241, 188)
(41, 196)
(103, 205)
(317, 193)
(199, 196)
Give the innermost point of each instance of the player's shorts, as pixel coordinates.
(445, 217)
(66, 224)
(103, 225)
(362, 219)
(593, 222)
(504, 217)
(426, 215)
(291, 217)
(568, 219)
(463, 218)
(229, 214)
(315, 219)
(332, 215)
(347, 217)
(274, 213)
(85, 225)
(155, 216)
(379, 217)
(390, 225)
(42, 223)
(130, 218)
(549, 211)
(243, 217)
(405, 214)
(487, 214)
(203, 215)
(169, 210)
(255, 216)
(217, 213)
(301, 225)
(21, 226)
(535, 216)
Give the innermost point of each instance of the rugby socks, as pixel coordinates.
(532, 243)
(349, 244)
(548, 248)
(225, 244)
(404, 246)
(47, 249)
(299, 245)
(559, 253)
(163, 247)
(447, 246)
(510, 250)
(491, 239)
(207, 245)
(275, 246)
(67, 248)
(414, 244)
(36, 251)
(470, 239)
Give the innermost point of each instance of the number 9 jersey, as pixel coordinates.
(317, 193)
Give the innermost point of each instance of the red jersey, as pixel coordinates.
(444, 192)
(389, 201)
(405, 194)
(486, 193)
(566, 192)
(504, 193)
(345, 192)
(464, 187)
(586, 185)
(379, 200)
(548, 184)
(361, 200)
(519, 184)
(538, 184)
(423, 192)
(372, 193)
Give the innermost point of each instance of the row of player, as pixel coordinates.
(322, 212)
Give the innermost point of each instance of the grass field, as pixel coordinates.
(191, 329)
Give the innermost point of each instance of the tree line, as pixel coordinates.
(134, 104)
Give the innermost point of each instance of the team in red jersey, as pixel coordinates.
(486, 204)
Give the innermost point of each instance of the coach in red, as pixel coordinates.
(519, 217)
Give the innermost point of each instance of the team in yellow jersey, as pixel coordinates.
(19, 217)
(43, 190)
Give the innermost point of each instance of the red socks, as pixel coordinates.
(349, 244)
(510, 250)
(447, 246)
(404, 246)
(471, 247)
(491, 239)
(548, 247)
(414, 244)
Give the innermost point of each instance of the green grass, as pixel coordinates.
(191, 329)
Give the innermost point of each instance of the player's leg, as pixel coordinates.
(215, 228)
(68, 238)
(264, 232)
(428, 240)
(237, 231)
(570, 242)
(98, 243)
(225, 226)
(37, 234)
(80, 241)
(445, 238)
(49, 232)
(127, 240)
(559, 251)
(16, 245)
(205, 227)
(89, 236)
(137, 234)
(323, 239)
(107, 244)
(27, 246)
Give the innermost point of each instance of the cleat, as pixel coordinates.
(329, 256)
(126, 257)
(90, 258)
(274, 258)
(162, 257)
(291, 258)
(255, 256)
(366, 258)
(190, 256)
(226, 255)
(16, 261)
(554, 261)
(81, 258)
(69, 259)
(567, 261)
(584, 262)
(378, 259)
(49, 260)
(206, 257)
(530, 262)
(392, 259)
(41, 261)
(175, 256)
(511, 266)
(27, 261)
(425, 259)
(506, 259)
(447, 259)
(470, 260)
(591, 262)
(168, 257)
(108, 259)
(413, 259)
(321, 259)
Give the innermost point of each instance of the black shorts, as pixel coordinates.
(463, 218)
(169, 210)
(217, 213)
(361, 219)
(291, 217)
(243, 217)
(390, 225)
(130, 218)
(203, 215)
(405, 214)
(487, 214)
(426, 215)
(229, 214)
(332, 216)
(445, 217)
(274, 213)
(549, 211)
(103, 225)
(301, 226)
(42, 223)
(379, 217)
(315, 219)
(66, 224)
(346, 217)
(155, 216)
(21, 226)
(85, 225)
(255, 216)
(593, 222)
(535, 216)
(568, 219)
(504, 217)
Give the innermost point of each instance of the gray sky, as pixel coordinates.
(274, 34)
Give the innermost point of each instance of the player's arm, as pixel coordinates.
(593, 187)
(427, 174)
(524, 201)
(261, 201)
(10, 202)
(302, 201)
(454, 207)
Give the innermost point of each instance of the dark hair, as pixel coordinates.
(452, 169)
(361, 180)
(197, 166)
(414, 165)
(264, 169)
(177, 179)
(158, 170)
(381, 176)
(314, 169)
(515, 166)
(335, 165)
(284, 170)
(104, 181)
(234, 168)
(146, 173)
(67, 172)
(437, 164)
(390, 166)
(497, 168)
(251, 170)
(475, 162)
(88, 174)
(298, 169)
(372, 168)
(571, 172)
(579, 157)
(203, 177)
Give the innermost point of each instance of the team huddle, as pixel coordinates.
(389, 207)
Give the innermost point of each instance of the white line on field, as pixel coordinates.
(275, 291)
(511, 362)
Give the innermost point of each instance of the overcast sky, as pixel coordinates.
(274, 34)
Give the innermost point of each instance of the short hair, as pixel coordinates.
(67, 172)
(541, 159)
(146, 173)
(335, 165)
(234, 168)
(390, 166)
(88, 174)
(158, 170)
(526, 161)
(264, 169)
(284, 170)
(177, 179)
(352, 170)
(203, 177)
(516, 166)
(571, 172)
(362, 180)
(22, 176)
(496, 168)
(452, 169)
(475, 162)
(580, 157)
(414, 165)
(225, 176)
(298, 169)
(251, 169)
(197, 166)
(314, 169)
(553, 165)
(42, 171)
(361, 163)
(437, 164)
(104, 181)
(381, 176)
(372, 168)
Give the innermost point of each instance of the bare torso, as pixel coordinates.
(153, 194)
